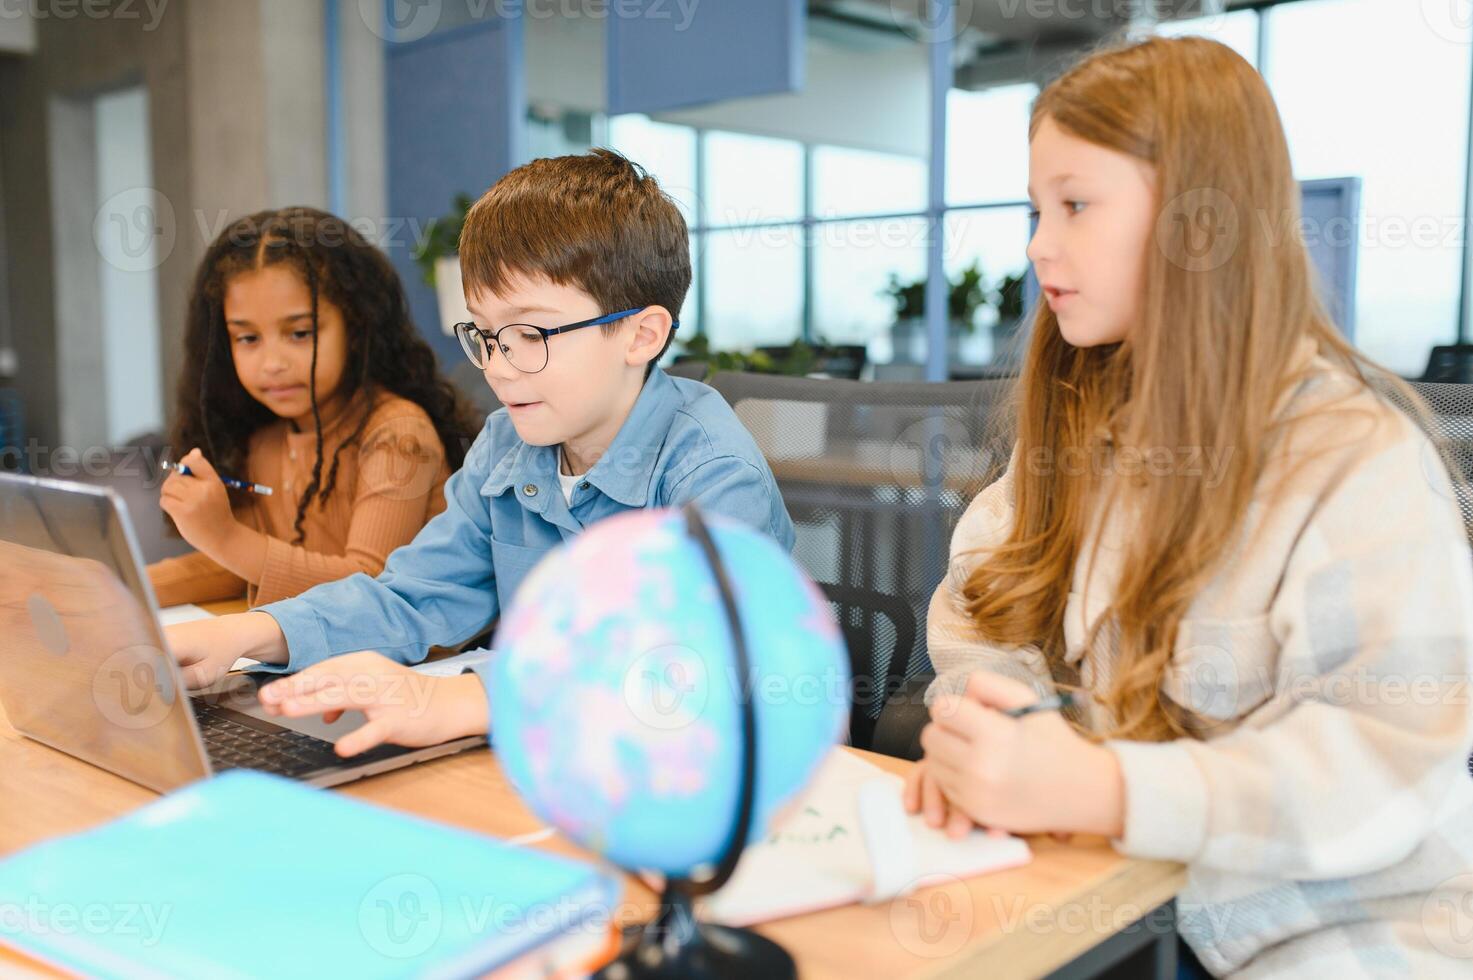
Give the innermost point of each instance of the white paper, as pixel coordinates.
(187, 613)
(170, 615)
(817, 858)
(451, 666)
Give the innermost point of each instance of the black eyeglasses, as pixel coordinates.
(524, 345)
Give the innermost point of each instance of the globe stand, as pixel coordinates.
(673, 944)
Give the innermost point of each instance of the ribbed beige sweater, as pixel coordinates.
(389, 485)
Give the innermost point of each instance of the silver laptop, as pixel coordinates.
(85, 667)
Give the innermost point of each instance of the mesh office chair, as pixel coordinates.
(875, 476)
(1452, 411)
(1452, 419)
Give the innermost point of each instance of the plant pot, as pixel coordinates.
(450, 294)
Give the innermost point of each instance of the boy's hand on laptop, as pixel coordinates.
(403, 706)
(207, 648)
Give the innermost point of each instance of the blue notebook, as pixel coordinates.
(251, 875)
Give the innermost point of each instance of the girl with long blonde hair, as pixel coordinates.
(1219, 533)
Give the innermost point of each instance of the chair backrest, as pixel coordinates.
(1452, 411)
(1453, 363)
(876, 628)
(694, 370)
(875, 476)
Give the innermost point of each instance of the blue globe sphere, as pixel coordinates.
(616, 697)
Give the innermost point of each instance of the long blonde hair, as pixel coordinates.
(1204, 368)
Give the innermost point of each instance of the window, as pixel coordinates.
(1238, 30)
(987, 144)
(751, 178)
(667, 152)
(1407, 145)
(848, 182)
(753, 286)
(852, 265)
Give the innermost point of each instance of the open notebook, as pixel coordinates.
(818, 857)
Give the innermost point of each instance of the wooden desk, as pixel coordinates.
(225, 606)
(1019, 923)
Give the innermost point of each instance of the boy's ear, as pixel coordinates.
(647, 339)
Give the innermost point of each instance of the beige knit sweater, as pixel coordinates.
(1326, 812)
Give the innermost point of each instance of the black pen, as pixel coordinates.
(1055, 702)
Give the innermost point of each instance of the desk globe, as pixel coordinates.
(663, 685)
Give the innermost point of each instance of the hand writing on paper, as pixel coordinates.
(1024, 775)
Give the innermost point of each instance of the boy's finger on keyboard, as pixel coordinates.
(361, 739)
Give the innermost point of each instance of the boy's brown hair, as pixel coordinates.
(596, 221)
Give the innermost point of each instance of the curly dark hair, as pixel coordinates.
(385, 350)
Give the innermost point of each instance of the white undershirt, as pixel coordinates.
(568, 483)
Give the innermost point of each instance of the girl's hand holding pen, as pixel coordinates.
(991, 764)
(198, 503)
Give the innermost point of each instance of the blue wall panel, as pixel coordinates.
(676, 53)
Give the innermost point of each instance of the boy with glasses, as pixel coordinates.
(575, 269)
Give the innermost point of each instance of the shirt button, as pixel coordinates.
(530, 490)
(584, 486)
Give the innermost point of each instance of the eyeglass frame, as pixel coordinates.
(488, 338)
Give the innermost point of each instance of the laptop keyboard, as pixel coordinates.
(235, 740)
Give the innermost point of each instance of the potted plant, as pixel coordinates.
(439, 263)
(1008, 300)
(966, 296)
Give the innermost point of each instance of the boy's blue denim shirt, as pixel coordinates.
(505, 510)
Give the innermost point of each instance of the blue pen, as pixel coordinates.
(1056, 702)
(229, 481)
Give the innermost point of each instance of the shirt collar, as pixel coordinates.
(624, 473)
